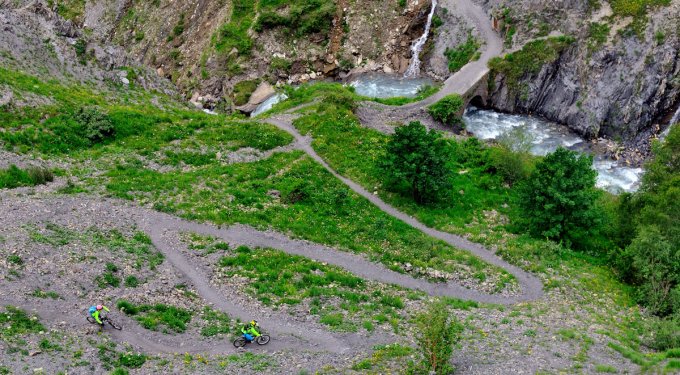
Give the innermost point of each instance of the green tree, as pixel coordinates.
(438, 332)
(416, 160)
(656, 267)
(557, 201)
(649, 227)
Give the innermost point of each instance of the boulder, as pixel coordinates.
(263, 91)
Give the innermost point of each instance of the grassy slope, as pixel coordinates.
(583, 280)
(170, 159)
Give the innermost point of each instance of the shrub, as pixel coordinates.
(656, 268)
(40, 175)
(81, 50)
(415, 160)
(96, 125)
(448, 110)
(438, 332)
(557, 201)
(664, 334)
(511, 166)
(529, 60)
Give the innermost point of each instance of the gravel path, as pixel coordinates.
(531, 286)
(376, 115)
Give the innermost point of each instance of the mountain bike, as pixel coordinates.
(105, 319)
(260, 340)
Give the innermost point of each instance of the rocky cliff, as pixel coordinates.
(219, 51)
(619, 78)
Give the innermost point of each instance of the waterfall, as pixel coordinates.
(676, 117)
(414, 65)
(674, 121)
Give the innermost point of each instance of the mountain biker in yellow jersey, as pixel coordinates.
(250, 330)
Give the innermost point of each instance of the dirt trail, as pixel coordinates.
(532, 288)
(376, 115)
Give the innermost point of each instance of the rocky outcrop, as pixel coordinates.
(618, 87)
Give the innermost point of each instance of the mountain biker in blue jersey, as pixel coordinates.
(95, 312)
(249, 331)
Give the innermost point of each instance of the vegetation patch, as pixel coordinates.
(14, 177)
(529, 60)
(297, 17)
(278, 278)
(448, 110)
(461, 55)
(16, 322)
(157, 317)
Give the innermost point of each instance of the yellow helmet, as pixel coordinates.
(253, 323)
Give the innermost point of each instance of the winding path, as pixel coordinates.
(159, 225)
(531, 286)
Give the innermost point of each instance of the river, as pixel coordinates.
(545, 136)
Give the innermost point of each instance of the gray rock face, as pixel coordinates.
(619, 89)
(616, 93)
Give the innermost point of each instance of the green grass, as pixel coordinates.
(39, 293)
(529, 60)
(637, 9)
(137, 248)
(111, 358)
(353, 151)
(296, 17)
(234, 34)
(16, 322)
(243, 90)
(277, 278)
(158, 317)
(218, 323)
(13, 177)
(606, 369)
(461, 55)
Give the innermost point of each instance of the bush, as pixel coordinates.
(558, 200)
(415, 160)
(96, 125)
(438, 332)
(665, 334)
(340, 100)
(656, 268)
(448, 110)
(511, 166)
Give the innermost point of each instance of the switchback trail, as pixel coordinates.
(531, 286)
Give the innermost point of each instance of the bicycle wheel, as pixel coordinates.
(263, 340)
(90, 319)
(114, 325)
(240, 342)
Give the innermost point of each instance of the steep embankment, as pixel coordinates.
(618, 79)
(219, 51)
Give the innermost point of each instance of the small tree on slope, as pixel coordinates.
(416, 161)
(557, 200)
(437, 334)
